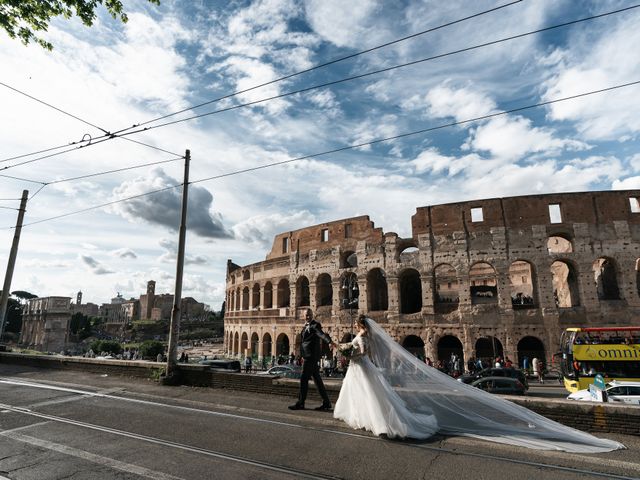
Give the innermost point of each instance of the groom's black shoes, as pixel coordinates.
(325, 407)
(296, 406)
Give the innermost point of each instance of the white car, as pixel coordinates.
(614, 392)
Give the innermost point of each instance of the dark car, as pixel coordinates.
(500, 385)
(496, 372)
(222, 365)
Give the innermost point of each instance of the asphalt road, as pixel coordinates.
(69, 425)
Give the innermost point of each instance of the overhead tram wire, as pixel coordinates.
(342, 149)
(280, 79)
(494, 42)
(325, 64)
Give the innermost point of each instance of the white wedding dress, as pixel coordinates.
(389, 391)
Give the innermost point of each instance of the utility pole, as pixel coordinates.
(174, 329)
(12, 261)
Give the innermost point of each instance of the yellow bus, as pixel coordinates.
(613, 352)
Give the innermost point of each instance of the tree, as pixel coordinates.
(22, 18)
(14, 316)
(21, 294)
(80, 325)
(150, 349)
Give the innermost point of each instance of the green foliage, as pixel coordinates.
(151, 349)
(198, 334)
(22, 18)
(109, 346)
(80, 325)
(21, 294)
(157, 373)
(14, 316)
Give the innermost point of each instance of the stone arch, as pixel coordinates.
(246, 275)
(303, 297)
(268, 295)
(522, 284)
(348, 259)
(377, 290)
(605, 274)
(236, 343)
(406, 252)
(488, 349)
(244, 343)
(410, 291)
(483, 284)
(255, 296)
(266, 344)
(565, 284)
(238, 299)
(255, 341)
(449, 345)
(284, 293)
(232, 300)
(349, 291)
(415, 345)
(559, 243)
(282, 344)
(530, 347)
(447, 288)
(245, 298)
(324, 290)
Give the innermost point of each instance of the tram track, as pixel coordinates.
(296, 473)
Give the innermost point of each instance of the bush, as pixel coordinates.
(151, 349)
(109, 346)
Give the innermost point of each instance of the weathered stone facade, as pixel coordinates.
(481, 278)
(45, 323)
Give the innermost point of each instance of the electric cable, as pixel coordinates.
(331, 62)
(131, 132)
(348, 147)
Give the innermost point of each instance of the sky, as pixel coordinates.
(172, 57)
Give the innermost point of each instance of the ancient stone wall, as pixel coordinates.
(476, 279)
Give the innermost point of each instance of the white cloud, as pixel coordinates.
(342, 23)
(96, 267)
(171, 254)
(629, 183)
(261, 229)
(124, 253)
(459, 103)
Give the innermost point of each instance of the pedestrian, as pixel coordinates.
(535, 364)
(310, 339)
(247, 364)
(541, 371)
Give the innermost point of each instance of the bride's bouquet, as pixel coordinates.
(346, 349)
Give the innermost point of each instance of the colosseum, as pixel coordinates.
(484, 278)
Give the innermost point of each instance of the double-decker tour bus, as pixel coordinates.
(613, 352)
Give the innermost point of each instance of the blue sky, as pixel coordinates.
(180, 54)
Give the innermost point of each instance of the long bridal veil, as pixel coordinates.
(464, 410)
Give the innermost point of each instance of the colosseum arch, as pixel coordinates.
(559, 243)
(244, 343)
(245, 298)
(530, 347)
(238, 299)
(488, 349)
(255, 341)
(410, 291)
(324, 290)
(447, 288)
(565, 284)
(282, 344)
(415, 345)
(284, 293)
(266, 345)
(246, 275)
(348, 259)
(407, 252)
(523, 285)
(349, 291)
(483, 284)
(303, 297)
(255, 296)
(232, 301)
(236, 343)
(605, 274)
(377, 290)
(268, 295)
(449, 345)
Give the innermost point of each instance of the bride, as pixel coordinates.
(389, 391)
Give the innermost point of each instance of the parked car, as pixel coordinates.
(496, 372)
(283, 371)
(222, 365)
(615, 391)
(500, 385)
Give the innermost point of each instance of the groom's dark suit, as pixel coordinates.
(310, 351)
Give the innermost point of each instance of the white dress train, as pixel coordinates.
(389, 391)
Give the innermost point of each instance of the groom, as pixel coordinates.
(311, 336)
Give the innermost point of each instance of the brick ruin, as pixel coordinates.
(482, 278)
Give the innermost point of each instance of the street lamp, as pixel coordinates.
(350, 294)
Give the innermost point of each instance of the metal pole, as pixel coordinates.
(174, 329)
(12, 261)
